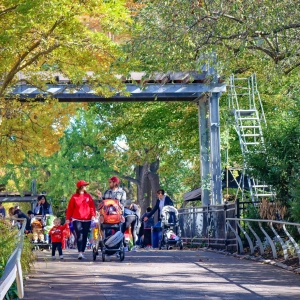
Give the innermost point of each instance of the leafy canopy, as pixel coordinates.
(40, 39)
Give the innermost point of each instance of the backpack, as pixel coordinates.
(110, 211)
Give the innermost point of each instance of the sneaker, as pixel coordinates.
(126, 249)
(53, 258)
(134, 249)
(118, 255)
(80, 256)
(61, 257)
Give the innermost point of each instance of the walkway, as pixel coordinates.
(152, 275)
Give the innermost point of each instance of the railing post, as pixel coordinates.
(19, 279)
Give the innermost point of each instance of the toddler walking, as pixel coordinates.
(56, 233)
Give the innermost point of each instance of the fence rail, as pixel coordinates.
(252, 235)
(13, 269)
(206, 224)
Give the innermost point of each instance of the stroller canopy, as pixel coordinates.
(169, 215)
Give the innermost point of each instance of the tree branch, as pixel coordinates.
(16, 67)
(292, 68)
(7, 10)
(227, 16)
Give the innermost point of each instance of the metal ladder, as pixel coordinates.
(243, 95)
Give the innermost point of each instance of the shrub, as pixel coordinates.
(8, 243)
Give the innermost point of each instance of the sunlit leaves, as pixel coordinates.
(40, 39)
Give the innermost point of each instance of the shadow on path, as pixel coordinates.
(155, 275)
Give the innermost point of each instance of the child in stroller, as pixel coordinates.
(171, 235)
(111, 219)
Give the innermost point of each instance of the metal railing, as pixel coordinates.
(233, 224)
(13, 269)
(205, 225)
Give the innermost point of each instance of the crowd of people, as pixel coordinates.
(81, 212)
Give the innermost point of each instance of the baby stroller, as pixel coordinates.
(171, 235)
(111, 218)
(40, 226)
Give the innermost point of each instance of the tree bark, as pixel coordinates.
(154, 180)
(147, 182)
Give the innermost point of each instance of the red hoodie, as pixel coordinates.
(81, 207)
(56, 233)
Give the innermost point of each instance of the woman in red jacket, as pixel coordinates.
(81, 210)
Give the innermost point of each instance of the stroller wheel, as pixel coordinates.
(103, 256)
(122, 255)
(101, 245)
(168, 247)
(181, 246)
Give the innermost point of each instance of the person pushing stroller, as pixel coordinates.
(162, 201)
(114, 191)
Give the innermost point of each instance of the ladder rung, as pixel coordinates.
(254, 143)
(260, 186)
(248, 134)
(254, 126)
(244, 112)
(263, 195)
(247, 119)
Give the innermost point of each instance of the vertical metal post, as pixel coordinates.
(215, 149)
(204, 150)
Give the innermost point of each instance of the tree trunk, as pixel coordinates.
(147, 182)
(143, 197)
(154, 180)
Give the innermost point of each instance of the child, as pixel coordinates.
(56, 233)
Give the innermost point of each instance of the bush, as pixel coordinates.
(8, 243)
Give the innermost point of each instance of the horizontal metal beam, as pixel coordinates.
(17, 199)
(150, 92)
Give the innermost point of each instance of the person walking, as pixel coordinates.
(57, 236)
(81, 210)
(114, 191)
(131, 214)
(43, 207)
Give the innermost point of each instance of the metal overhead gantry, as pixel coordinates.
(177, 86)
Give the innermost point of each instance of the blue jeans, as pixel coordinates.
(158, 224)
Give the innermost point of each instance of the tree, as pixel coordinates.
(280, 164)
(149, 143)
(246, 36)
(174, 36)
(40, 40)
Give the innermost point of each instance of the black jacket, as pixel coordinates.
(168, 201)
(20, 215)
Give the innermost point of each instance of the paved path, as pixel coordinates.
(153, 275)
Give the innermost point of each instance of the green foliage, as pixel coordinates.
(245, 35)
(136, 133)
(280, 166)
(8, 242)
(40, 41)
(295, 203)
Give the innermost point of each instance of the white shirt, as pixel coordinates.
(162, 203)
